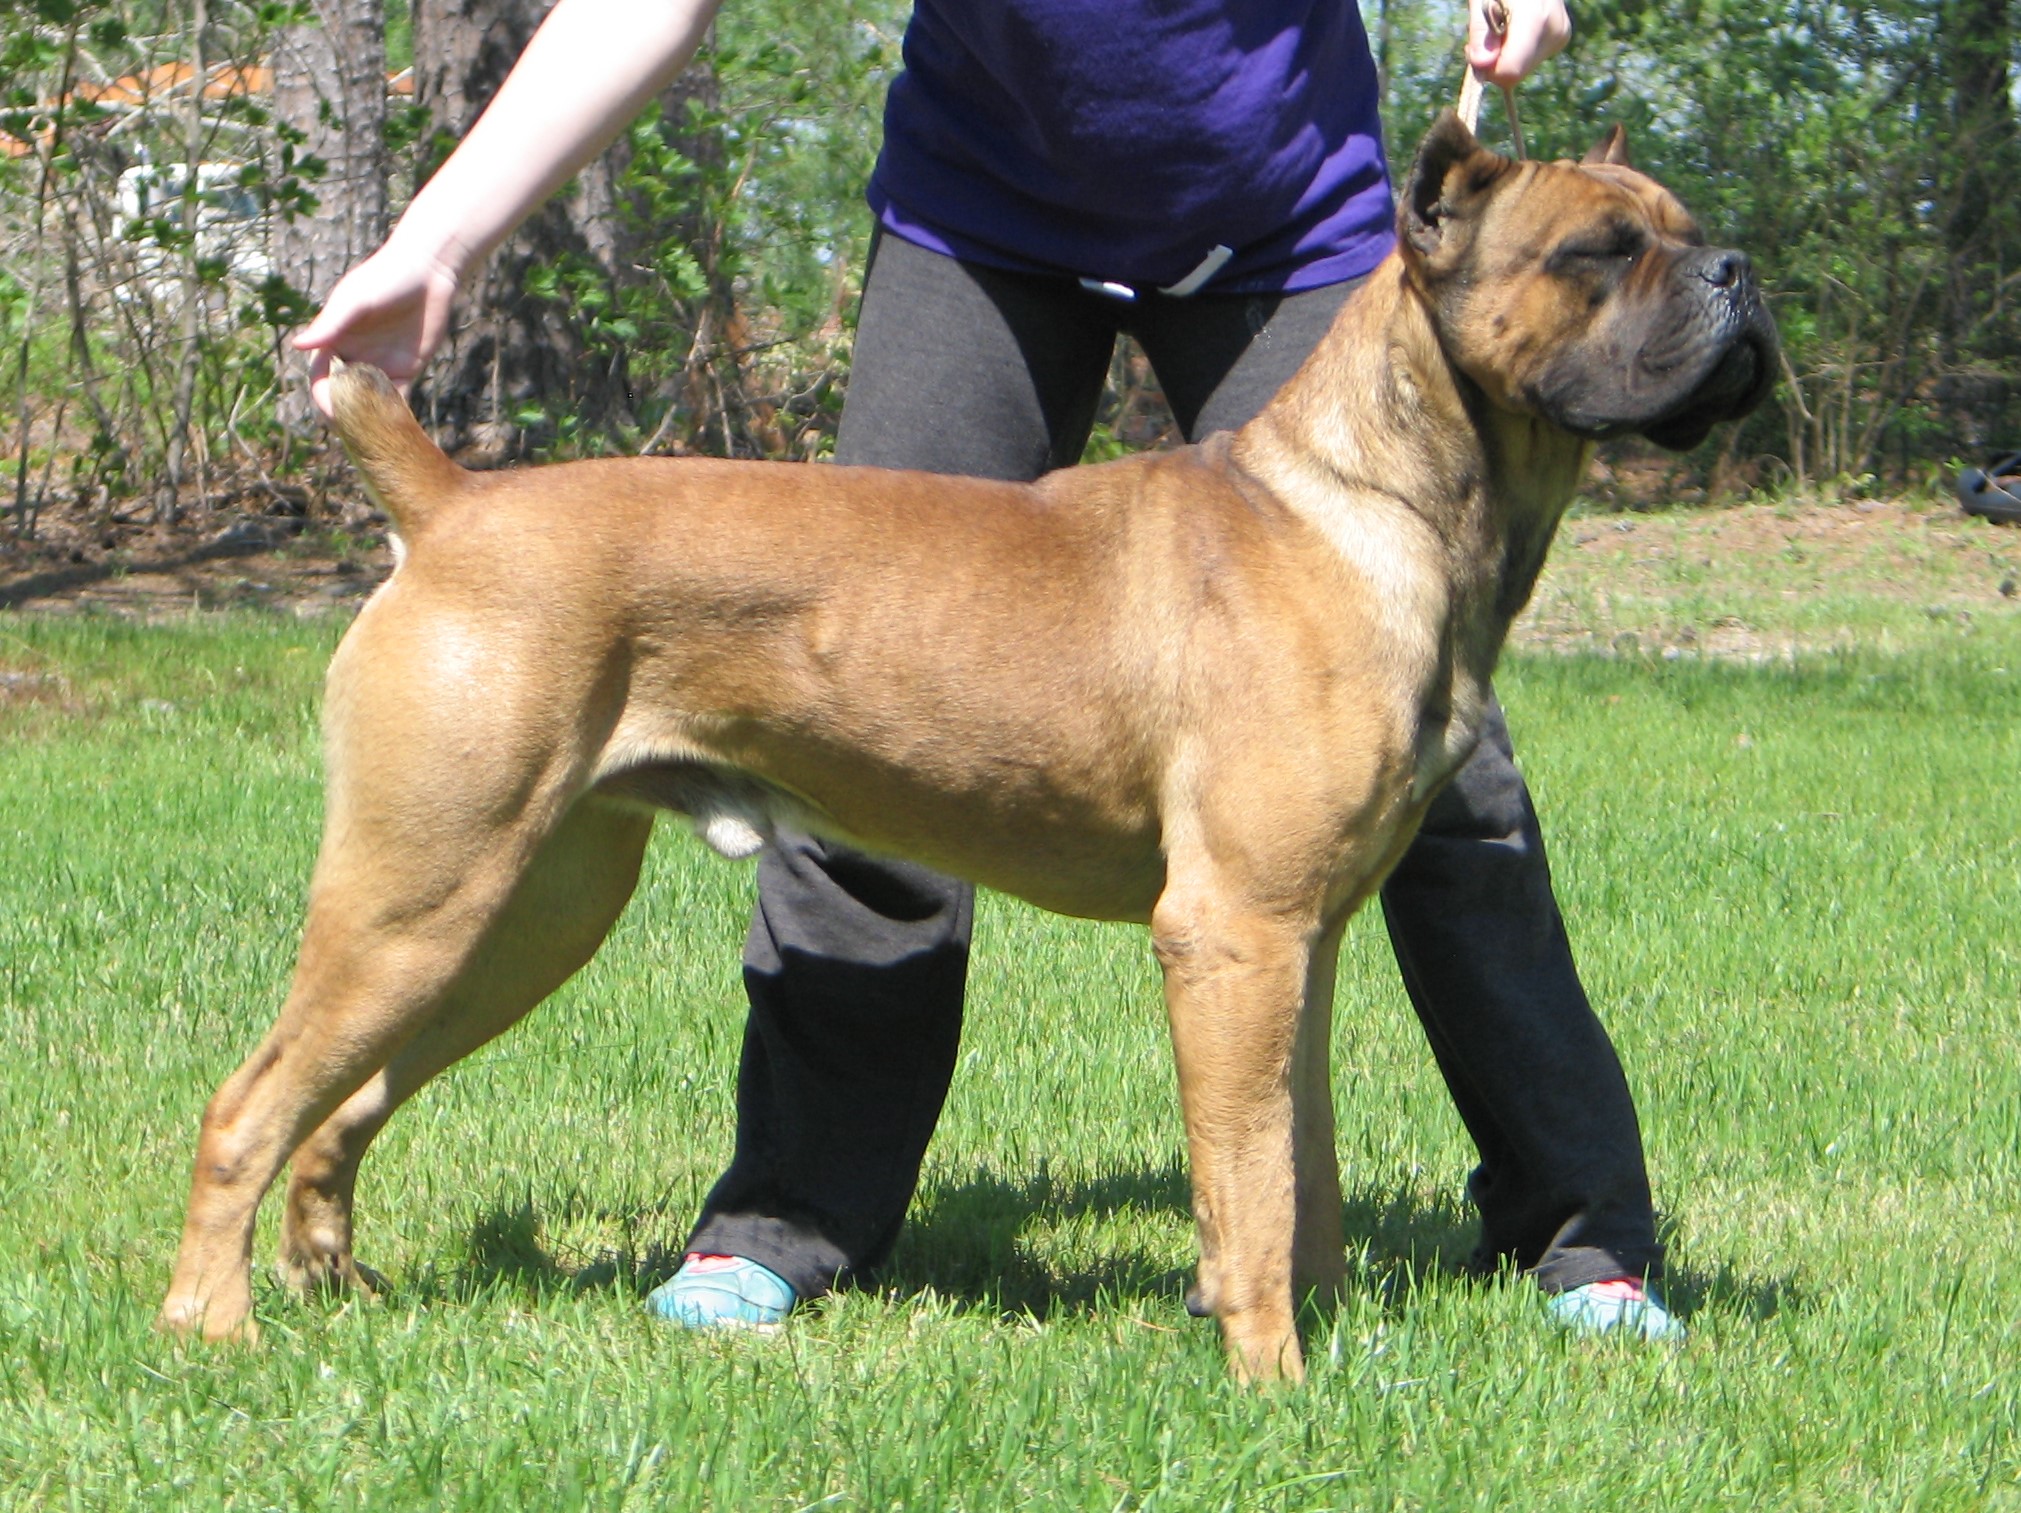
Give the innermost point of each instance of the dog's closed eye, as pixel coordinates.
(1603, 249)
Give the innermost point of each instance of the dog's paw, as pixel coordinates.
(314, 1274)
(213, 1321)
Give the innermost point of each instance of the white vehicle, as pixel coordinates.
(231, 226)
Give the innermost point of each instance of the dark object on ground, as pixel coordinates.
(1993, 491)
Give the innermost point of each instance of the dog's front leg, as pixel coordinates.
(1318, 1251)
(1234, 981)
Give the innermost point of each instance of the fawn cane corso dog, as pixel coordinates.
(1209, 690)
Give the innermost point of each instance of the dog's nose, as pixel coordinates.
(1724, 269)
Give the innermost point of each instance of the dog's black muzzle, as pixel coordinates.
(1734, 338)
(1690, 344)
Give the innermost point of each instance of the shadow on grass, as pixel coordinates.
(1731, 1290)
(508, 1254)
(246, 539)
(967, 1242)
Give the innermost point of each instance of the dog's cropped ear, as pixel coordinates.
(1452, 171)
(1612, 148)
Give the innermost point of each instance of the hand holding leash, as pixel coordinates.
(1506, 40)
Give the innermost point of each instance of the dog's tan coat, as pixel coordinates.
(1210, 690)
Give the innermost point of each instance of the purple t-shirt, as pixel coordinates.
(1124, 140)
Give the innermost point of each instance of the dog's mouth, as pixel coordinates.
(1706, 355)
(1736, 384)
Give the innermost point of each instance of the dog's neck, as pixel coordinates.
(1487, 485)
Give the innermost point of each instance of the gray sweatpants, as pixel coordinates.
(855, 966)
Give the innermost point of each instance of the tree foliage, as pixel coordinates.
(1862, 153)
(1860, 150)
(140, 163)
(734, 231)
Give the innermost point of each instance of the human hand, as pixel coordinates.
(1506, 39)
(562, 104)
(390, 310)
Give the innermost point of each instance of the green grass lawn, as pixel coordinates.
(1795, 890)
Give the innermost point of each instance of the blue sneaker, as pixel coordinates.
(1619, 1303)
(723, 1292)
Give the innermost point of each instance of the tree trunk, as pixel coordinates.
(189, 317)
(515, 363)
(330, 85)
(1977, 346)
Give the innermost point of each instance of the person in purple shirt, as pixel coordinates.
(1207, 176)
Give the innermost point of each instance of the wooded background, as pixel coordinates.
(181, 181)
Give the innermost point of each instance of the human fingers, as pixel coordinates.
(1507, 39)
(390, 311)
(319, 382)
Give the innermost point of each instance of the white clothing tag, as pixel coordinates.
(1193, 282)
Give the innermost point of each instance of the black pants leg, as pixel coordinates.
(855, 967)
(1561, 1185)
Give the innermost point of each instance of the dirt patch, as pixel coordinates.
(1893, 549)
(1758, 581)
(150, 572)
(21, 686)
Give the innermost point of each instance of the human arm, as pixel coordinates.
(591, 67)
(1529, 32)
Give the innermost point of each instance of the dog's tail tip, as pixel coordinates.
(403, 470)
(357, 391)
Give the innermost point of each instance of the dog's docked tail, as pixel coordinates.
(404, 471)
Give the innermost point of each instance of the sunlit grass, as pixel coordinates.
(1794, 891)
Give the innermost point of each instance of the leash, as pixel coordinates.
(1469, 106)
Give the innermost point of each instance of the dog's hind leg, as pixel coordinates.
(359, 993)
(1235, 977)
(396, 942)
(444, 790)
(557, 917)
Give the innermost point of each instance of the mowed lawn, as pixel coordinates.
(1795, 890)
